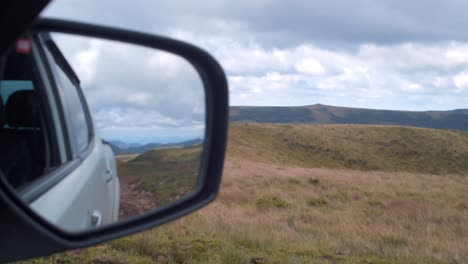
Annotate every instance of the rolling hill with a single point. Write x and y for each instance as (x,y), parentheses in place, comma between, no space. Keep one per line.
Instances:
(305,194)
(363,147)
(324,114)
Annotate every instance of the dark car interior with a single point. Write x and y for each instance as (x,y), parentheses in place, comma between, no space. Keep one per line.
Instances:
(22,157)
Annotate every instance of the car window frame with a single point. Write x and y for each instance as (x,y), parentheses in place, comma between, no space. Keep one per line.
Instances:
(55,58)
(48,134)
(72,158)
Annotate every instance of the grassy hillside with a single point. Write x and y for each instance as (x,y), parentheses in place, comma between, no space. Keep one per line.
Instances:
(270,213)
(324,114)
(364,147)
(306,194)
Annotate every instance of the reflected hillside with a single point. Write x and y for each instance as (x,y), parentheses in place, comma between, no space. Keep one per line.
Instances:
(120,147)
(157,177)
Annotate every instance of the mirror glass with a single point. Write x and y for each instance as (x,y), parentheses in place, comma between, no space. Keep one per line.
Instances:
(117,130)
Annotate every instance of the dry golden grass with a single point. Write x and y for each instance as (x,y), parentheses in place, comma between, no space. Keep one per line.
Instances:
(397,216)
(272,207)
(364,217)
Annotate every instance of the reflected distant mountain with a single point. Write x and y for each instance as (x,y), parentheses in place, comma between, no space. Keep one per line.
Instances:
(123,145)
(120,147)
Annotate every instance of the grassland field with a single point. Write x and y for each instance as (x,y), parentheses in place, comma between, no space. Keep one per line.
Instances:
(316,194)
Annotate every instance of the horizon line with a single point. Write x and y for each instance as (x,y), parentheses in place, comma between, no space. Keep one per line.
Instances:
(338,106)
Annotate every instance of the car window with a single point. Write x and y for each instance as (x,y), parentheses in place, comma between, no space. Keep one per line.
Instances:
(8,87)
(74,108)
(23,147)
(75,111)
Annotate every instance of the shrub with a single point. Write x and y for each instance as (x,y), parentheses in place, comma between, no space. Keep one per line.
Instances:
(317,202)
(375,203)
(271,202)
(394,241)
(340,195)
(461,206)
(294,181)
(314,181)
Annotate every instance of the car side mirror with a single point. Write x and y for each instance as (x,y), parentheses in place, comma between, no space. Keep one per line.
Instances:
(182,109)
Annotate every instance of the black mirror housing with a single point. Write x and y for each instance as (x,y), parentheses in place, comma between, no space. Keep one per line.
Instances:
(26,235)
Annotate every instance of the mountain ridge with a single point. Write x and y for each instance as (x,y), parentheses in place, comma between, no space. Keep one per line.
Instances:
(326,114)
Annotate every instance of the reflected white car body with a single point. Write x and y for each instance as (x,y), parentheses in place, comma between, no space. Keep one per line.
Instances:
(95,189)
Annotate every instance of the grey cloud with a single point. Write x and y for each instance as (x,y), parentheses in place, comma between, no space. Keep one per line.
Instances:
(132,76)
(329,23)
(389,54)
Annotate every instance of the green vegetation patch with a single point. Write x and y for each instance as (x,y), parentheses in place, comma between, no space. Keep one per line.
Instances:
(295,181)
(270,202)
(359,147)
(201,251)
(375,203)
(317,202)
(393,241)
(313,181)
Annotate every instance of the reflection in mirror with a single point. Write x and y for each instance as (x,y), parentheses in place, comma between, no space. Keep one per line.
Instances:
(138,148)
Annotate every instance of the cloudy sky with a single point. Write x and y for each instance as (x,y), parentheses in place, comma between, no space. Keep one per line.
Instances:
(137,94)
(408,55)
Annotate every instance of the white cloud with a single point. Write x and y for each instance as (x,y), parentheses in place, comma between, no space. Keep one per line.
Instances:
(140,99)
(461,81)
(414,87)
(413,75)
(398,76)
(310,66)
(85,62)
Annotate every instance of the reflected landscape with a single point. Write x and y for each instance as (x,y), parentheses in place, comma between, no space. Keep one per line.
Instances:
(156,177)
(147,117)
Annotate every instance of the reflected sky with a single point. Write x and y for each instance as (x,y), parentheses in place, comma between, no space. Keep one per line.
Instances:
(137,94)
